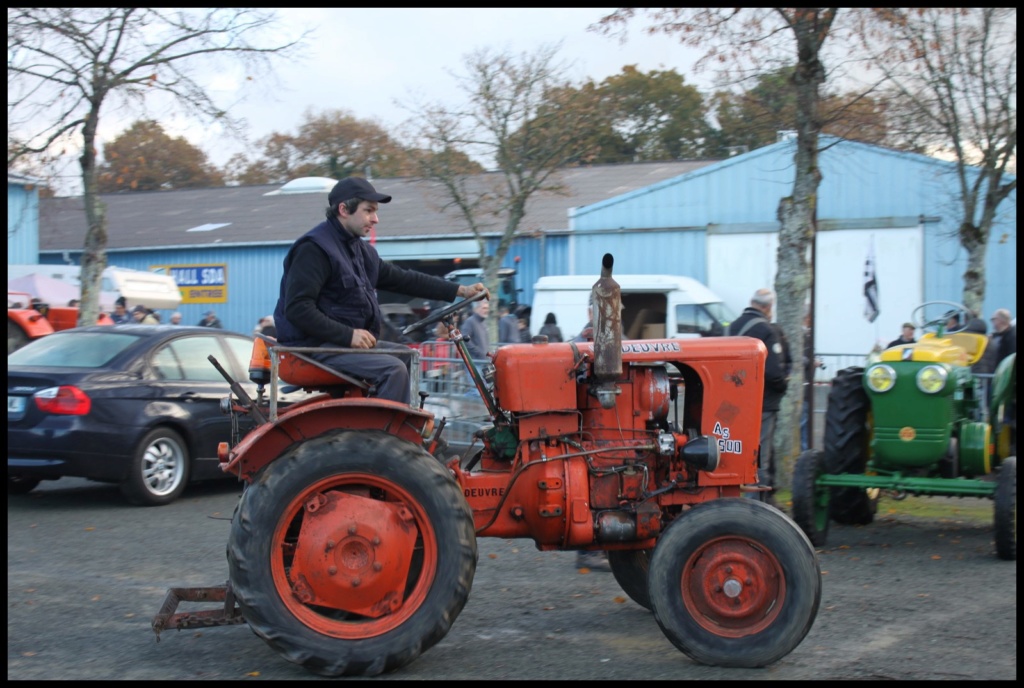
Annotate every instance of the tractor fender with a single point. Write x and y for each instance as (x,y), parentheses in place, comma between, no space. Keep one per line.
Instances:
(1003,408)
(1004,383)
(305,421)
(974,448)
(33,323)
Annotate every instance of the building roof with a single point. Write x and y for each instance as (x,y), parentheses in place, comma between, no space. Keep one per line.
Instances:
(22,180)
(262,214)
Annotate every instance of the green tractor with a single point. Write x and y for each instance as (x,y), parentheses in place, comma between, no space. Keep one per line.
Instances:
(914,422)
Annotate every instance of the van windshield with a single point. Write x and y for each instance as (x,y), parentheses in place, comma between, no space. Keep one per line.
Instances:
(720,312)
(706,319)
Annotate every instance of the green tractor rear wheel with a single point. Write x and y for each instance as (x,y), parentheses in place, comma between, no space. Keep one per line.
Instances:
(1006,510)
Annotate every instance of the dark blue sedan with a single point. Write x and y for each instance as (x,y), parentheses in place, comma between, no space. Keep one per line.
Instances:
(136,405)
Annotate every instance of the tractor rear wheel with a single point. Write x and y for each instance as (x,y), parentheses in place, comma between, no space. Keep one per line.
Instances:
(16,337)
(846,446)
(630,569)
(1006,510)
(810,502)
(352,553)
(734,583)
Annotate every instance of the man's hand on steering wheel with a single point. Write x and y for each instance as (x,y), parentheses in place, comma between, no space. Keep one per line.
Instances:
(468,290)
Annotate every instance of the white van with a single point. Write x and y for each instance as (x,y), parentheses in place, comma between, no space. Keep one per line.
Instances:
(151,289)
(653,306)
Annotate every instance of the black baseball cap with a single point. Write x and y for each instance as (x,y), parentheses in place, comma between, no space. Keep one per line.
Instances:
(355,187)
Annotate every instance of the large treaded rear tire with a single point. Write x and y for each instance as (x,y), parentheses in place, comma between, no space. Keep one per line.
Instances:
(407,509)
(1006,510)
(846,446)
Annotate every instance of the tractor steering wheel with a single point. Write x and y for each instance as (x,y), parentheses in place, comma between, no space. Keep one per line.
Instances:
(925,322)
(444,312)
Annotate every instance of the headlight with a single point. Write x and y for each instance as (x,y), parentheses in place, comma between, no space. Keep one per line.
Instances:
(881,378)
(931,379)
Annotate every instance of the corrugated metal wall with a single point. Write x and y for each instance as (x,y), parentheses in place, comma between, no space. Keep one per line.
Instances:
(254,274)
(253,279)
(668,252)
(22,224)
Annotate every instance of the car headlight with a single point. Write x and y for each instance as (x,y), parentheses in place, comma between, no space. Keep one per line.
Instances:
(931,379)
(881,378)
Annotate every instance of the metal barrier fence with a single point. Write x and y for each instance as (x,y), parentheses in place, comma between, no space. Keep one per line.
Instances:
(454,397)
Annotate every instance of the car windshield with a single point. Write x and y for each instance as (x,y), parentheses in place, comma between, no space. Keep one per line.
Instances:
(73,349)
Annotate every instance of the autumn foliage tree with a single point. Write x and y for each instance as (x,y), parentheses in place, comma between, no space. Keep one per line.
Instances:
(753,117)
(332,143)
(657,113)
(145,158)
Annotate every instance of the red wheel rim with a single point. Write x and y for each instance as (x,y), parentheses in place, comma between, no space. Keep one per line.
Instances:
(733,587)
(340,624)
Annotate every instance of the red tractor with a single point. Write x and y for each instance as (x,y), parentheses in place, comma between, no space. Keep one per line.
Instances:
(27,321)
(353,546)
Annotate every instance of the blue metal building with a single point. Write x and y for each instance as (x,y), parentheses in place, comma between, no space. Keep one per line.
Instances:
(22,219)
(718,224)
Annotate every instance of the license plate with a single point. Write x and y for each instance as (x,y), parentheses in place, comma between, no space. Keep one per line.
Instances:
(16,405)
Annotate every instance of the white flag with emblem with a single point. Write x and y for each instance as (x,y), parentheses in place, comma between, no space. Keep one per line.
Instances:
(870,284)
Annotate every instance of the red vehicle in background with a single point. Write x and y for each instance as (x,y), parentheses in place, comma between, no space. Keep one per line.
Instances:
(27,321)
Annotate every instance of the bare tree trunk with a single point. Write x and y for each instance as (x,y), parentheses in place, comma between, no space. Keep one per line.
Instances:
(975,241)
(94,255)
(797,215)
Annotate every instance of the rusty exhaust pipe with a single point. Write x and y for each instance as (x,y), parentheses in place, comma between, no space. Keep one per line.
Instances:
(607,299)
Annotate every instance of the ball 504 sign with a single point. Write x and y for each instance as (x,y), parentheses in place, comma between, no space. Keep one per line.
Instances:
(200,283)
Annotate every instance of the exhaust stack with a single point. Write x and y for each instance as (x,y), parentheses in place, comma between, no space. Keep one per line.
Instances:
(607,305)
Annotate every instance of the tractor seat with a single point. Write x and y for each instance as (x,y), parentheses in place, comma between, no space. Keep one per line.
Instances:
(972,343)
(301,371)
(957,348)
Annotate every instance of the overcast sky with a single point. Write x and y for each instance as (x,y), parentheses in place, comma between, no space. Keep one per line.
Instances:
(364,60)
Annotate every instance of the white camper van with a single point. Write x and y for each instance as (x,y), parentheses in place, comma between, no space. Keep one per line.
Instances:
(153,290)
(653,306)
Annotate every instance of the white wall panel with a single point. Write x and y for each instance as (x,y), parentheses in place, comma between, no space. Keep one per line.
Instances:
(739,264)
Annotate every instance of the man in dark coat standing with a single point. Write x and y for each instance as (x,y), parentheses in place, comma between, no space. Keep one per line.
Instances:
(474,328)
(328,291)
(755,321)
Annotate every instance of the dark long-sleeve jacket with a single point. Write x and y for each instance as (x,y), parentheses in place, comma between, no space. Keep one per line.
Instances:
(1007,344)
(329,284)
(478,341)
(775,378)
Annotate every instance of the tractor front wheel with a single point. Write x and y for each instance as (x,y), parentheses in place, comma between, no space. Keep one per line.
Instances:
(1006,510)
(734,583)
(352,553)
(810,502)
(846,446)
